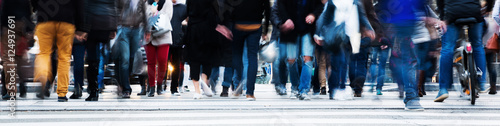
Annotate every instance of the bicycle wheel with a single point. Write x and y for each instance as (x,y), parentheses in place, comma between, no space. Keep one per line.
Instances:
(471,67)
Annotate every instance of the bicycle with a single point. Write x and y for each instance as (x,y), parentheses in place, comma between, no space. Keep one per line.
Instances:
(464,63)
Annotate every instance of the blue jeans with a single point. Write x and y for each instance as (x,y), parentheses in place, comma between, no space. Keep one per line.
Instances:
(251,38)
(357,69)
(126,44)
(104,60)
(307,49)
(448,48)
(405,61)
(78,55)
(338,63)
(377,70)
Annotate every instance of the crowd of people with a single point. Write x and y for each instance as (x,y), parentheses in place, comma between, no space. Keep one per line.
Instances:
(323,44)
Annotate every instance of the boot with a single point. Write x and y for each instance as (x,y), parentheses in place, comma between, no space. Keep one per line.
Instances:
(22,90)
(77,94)
(421,82)
(143,90)
(93,96)
(493,88)
(159,90)
(224,92)
(152,91)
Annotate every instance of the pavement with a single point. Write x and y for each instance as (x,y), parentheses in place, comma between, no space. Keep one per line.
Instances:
(268,109)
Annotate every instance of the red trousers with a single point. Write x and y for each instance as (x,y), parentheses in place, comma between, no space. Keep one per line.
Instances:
(156,55)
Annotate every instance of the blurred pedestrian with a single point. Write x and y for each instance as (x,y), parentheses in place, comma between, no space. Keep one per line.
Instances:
(177,47)
(58,28)
(134,28)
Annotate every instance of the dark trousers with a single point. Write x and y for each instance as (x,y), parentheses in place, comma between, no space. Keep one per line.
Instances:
(93,56)
(175,55)
(78,53)
(358,70)
(492,73)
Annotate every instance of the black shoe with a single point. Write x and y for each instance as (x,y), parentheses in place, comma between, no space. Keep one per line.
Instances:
(159,90)
(7,97)
(143,90)
(492,92)
(77,94)
(22,92)
(94,96)
(224,92)
(152,91)
(40,96)
(126,95)
(322,91)
(357,94)
(62,99)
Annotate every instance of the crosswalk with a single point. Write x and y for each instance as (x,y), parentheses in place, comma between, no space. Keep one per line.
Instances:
(256,117)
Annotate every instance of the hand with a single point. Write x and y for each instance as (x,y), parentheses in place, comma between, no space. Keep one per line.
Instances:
(112,35)
(224,31)
(370,34)
(147,36)
(318,41)
(310,19)
(383,47)
(264,37)
(442,25)
(81,36)
(287,26)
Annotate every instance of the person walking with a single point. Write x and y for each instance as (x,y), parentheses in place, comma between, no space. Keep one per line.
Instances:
(134,28)
(176,49)
(59,28)
(157,49)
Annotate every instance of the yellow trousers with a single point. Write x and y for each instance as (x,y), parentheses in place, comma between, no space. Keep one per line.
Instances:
(59,35)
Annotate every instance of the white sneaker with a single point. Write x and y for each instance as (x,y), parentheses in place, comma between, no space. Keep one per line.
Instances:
(206,90)
(197,96)
(176,94)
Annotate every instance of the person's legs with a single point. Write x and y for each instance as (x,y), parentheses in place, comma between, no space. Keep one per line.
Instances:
(151,54)
(45,32)
(238,46)
(174,52)
(214,77)
(65,33)
(307,67)
(282,68)
(252,42)
(476,39)
(162,54)
(78,67)
(446,61)
(93,56)
(291,60)
(123,58)
(322,69)
(384,54)
(103,61)
(357,70)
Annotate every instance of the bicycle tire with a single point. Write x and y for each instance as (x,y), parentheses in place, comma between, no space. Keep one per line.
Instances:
(471,67)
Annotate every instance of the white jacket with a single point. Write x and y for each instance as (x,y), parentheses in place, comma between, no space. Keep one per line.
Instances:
(165,15)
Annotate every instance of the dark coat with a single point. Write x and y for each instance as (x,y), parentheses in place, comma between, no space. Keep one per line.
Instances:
(102,14)
(288,9)
(179,15)
(202,41)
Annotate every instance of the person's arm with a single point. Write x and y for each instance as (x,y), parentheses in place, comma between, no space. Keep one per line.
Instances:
(496,10)
(275,19)
(282,11)
(267,15)
(325,18)
(440,5)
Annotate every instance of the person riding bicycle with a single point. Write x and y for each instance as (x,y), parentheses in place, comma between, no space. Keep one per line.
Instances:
(450,11)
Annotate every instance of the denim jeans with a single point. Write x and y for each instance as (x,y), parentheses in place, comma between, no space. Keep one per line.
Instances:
(102,63)
(126,45)
(78,66)
(448,48)
(404,62)
(251,38)
(338,63)
(377,67)
(307,49)
(214,77)
(358,70)
(422,51)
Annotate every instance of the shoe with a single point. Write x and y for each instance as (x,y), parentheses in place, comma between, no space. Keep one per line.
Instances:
(331,96)
(143,90)
(357,94)
(159,90)
(483,88)
(197,96)
(294,95)
(237,92)
(492,92)
(62,99)
(401,94)
(206,90)
(77,94)
(413,105)
(176,94)
(151,92)
(250,98)
(441,96)
(235,95)
(22,91)
(94,96)
(316,95)
(40,96)
(379,92)
(186,89)
(322,91)
(224,92)
(7,97)
(126,95)
(304,97)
